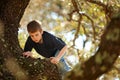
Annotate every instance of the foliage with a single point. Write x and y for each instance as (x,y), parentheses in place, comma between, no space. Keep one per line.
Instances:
(76,17)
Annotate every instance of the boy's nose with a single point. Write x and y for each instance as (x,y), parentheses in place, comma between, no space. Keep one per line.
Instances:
(35,39)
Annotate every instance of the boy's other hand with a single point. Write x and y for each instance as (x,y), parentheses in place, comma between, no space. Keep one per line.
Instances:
(54,60)
(27,54)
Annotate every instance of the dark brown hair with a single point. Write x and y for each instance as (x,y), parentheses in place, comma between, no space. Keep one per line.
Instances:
(34,26)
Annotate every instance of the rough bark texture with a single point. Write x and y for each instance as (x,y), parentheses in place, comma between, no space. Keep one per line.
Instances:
(13,66)
(105,56)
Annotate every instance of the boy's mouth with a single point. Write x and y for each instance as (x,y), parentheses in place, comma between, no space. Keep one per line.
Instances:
(36,41)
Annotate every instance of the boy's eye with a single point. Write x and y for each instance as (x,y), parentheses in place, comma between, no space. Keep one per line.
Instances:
(36,35)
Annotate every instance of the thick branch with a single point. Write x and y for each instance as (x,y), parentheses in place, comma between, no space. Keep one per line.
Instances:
(106,55)
(13,64)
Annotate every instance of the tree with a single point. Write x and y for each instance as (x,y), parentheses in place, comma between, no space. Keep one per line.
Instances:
(106,54)
(14,66)
(104,57)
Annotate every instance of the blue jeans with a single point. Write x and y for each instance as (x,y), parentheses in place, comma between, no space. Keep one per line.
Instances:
(62,65)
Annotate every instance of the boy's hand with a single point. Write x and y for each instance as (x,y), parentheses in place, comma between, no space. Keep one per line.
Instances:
(54,60)
(27,54)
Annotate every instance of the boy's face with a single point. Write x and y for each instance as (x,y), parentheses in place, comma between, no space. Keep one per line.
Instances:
(36,36)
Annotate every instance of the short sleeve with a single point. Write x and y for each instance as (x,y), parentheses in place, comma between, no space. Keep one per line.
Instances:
(58,43)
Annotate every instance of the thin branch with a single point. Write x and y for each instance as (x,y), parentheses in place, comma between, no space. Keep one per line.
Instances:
(75,5)
(76,9)
(70,14)
(93,26)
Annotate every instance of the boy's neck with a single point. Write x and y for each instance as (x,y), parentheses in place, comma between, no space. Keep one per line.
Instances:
(41,41)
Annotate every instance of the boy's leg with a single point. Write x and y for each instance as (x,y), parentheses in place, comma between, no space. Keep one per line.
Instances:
(63,65)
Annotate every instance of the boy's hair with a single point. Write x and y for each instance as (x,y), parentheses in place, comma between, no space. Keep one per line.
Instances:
(34,26)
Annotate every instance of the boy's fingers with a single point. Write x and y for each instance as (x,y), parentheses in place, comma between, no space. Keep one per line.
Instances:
(51,57)
(53,60)
(26,54)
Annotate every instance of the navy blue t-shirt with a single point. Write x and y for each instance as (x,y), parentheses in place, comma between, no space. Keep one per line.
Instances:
(49,46)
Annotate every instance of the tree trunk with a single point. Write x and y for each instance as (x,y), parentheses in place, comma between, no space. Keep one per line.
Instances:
(13,66)
(105,56)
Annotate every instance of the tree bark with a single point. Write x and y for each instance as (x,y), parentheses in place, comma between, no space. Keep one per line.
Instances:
(105,56)
(13,66)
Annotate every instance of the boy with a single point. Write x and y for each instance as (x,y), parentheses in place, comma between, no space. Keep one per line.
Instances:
(46,45)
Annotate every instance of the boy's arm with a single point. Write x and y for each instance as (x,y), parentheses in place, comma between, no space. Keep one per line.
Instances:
(62,52)
(28,45)
(27,48)
(56,59)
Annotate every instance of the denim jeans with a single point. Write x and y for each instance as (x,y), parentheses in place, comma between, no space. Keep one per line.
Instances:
(63,65)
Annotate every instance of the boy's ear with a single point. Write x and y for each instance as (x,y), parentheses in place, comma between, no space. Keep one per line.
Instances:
(41,31)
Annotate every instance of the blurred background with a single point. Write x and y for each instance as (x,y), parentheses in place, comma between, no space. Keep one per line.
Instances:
(81,34)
